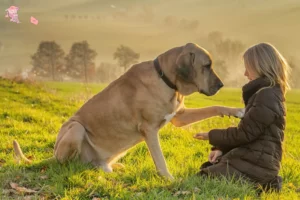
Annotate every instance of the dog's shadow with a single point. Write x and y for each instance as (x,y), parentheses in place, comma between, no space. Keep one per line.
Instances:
(54,180)
(74,179)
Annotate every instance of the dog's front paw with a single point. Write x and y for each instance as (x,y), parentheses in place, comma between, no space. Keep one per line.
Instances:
(235,112)
(168,177)
(239,113)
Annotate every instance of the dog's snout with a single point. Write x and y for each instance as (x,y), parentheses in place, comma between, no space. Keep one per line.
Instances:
(220,85)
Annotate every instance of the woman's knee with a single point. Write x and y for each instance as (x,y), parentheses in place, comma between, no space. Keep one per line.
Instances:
(202,173)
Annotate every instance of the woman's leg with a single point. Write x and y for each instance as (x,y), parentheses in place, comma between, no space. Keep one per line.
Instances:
(206,164)
(221,169)
(273,185)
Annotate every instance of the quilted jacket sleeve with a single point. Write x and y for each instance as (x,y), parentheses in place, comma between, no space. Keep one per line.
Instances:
(260,115)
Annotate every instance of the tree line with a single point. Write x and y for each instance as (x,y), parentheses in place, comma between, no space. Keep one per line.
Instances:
(227,59)
(51,61)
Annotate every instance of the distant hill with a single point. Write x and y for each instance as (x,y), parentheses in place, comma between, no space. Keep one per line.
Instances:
(148,26)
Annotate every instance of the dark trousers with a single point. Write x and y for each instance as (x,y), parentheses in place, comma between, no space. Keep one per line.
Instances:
(273,185)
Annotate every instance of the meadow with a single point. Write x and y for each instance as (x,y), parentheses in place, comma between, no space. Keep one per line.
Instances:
(33,114)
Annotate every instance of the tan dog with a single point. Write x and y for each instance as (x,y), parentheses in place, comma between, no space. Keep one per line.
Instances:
(134,107)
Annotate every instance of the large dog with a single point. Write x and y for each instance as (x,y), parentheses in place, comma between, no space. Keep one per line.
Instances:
(135,106)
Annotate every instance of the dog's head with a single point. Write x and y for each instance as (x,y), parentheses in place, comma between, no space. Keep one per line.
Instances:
(195,73)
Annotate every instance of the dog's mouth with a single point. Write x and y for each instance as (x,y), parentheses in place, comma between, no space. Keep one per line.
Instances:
(201,91)
(212,91)
(204,92)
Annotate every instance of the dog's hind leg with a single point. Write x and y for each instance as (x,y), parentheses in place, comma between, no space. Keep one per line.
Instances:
(114,164)
(69,144)
(106,167)
(109,166)
(117,166)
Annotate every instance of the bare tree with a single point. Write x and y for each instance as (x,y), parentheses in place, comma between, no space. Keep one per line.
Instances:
(226,48)
(125,56)
(80,61)
(230,49)
(226,53)
(48,60)
(215,37)
(221,68)
(107,72)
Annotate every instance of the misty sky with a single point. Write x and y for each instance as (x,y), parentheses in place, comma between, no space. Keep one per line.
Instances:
(106,24)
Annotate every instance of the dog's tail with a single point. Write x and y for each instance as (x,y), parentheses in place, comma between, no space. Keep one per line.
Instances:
(19,153)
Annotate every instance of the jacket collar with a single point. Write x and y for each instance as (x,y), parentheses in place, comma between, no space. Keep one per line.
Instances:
(253,86)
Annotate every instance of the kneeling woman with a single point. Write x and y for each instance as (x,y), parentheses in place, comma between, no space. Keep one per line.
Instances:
(253,149)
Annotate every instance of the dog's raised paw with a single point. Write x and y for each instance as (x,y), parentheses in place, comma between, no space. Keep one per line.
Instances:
(240,114)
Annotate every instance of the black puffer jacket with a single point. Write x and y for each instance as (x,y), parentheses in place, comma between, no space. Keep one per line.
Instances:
(254,148)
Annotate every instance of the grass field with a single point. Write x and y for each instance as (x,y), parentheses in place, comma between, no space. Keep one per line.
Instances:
(33,114)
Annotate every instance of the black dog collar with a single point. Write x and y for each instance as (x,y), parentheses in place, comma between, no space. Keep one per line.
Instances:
(163,76)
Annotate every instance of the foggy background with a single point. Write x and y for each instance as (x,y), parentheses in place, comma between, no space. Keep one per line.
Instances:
(150,27)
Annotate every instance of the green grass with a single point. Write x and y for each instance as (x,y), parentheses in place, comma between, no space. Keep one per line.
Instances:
(33,114)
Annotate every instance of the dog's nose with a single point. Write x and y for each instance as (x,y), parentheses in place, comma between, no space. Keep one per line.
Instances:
(220,85)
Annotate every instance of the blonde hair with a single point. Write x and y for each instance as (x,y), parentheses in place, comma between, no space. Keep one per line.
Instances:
(266,60)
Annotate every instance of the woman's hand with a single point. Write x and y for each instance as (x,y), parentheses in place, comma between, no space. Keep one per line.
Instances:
(201,136)
(214,155)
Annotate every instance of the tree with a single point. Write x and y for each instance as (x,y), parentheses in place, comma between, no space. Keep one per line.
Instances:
(107,72)
(221,68)
(227,56)
(126,56)
(80,61)
(226,48)
(215,37)
(48,60)
(230,49)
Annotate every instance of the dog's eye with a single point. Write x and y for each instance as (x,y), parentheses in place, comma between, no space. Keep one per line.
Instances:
(208,66)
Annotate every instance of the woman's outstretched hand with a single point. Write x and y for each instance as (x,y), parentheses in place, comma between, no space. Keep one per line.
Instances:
(201,136)
(214,155)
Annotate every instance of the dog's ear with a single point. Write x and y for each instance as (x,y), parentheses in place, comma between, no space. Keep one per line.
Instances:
(185,66)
